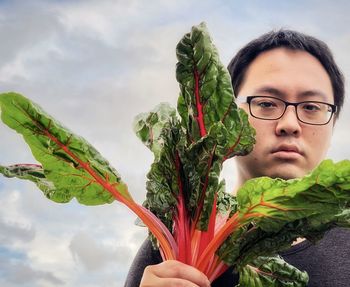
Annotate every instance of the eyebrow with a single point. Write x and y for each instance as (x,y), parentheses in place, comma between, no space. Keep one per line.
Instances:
(278,93)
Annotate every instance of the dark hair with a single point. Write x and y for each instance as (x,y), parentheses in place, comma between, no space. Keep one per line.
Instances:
(291,40)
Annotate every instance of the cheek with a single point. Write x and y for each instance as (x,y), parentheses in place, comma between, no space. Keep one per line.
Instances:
(319,141)
(263,129)
(264,135)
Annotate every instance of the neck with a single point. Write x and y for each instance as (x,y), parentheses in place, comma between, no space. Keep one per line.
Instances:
(241,179)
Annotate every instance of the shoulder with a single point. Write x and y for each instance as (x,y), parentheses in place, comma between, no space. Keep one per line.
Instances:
(327,261)
(145,256)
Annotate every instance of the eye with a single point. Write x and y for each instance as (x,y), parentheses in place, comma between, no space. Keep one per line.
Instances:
(311,107)
(266,104)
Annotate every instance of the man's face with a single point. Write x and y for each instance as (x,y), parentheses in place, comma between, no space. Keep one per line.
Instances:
(286,148)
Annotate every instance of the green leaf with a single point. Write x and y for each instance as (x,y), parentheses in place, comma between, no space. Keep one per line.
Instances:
(32,172)
(149,126)
(160,131)
(236,137)
(206,95)
(202,167)
(70,163)
(325,190)
(274,212)
(216,129)
(271,272)
(226,202)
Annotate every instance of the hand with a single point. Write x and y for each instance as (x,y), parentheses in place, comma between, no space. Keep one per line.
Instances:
(173,273)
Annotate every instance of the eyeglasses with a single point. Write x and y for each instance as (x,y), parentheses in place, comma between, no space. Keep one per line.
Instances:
(308,112)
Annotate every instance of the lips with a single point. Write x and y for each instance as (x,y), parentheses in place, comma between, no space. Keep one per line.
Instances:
(286,151)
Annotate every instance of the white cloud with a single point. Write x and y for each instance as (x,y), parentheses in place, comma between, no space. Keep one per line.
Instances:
(11,232)
(97,19)
(56,244)
(21,274)
(96,256)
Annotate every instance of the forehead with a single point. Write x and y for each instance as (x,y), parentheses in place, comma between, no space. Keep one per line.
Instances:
(293,74)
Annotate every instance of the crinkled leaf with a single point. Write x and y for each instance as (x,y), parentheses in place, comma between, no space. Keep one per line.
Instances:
(236,137)
(206,102)
(206,95)
(274,212)
(70,163)
(215,128)
(148,126)
(31,172)
(226,202)
(202,167)
(277,201)
(271,272)
(160,131)
(206,91)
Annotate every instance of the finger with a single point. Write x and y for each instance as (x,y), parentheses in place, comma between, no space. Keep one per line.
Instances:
(149,279)
(176,282)
(176,269)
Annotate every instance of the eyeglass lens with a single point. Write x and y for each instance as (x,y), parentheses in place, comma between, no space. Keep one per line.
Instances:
(272,108)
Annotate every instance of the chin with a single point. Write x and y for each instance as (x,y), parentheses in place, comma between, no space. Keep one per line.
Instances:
(286,169)
(287,173)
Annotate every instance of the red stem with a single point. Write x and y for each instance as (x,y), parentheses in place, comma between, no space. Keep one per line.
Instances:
(200,116)
(220,268)
(207,236)
(182,234)
(218,239)
(199,209)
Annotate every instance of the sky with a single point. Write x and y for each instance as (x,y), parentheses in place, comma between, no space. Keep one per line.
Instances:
(95,65)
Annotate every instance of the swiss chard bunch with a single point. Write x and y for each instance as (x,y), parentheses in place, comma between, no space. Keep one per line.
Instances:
(189,215)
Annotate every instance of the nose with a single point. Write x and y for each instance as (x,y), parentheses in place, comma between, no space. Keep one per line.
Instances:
(288,124)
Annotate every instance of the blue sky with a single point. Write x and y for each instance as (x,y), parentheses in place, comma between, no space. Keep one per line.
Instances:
(94,65)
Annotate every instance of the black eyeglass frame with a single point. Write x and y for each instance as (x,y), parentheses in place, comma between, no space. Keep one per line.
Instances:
(286,104)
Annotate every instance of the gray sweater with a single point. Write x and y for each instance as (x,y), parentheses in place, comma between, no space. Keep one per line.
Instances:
(327,262)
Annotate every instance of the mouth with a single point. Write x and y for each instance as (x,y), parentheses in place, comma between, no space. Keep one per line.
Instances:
(287,152)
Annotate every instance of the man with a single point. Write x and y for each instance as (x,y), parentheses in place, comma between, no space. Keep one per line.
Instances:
(293,92)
